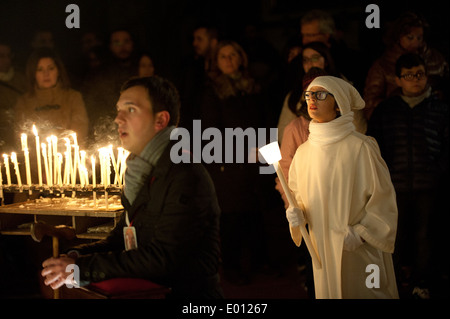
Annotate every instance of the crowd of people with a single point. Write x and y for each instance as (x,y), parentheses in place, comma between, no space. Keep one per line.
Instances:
(405,109)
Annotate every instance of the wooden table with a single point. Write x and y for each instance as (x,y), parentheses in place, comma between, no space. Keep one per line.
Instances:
(16,219)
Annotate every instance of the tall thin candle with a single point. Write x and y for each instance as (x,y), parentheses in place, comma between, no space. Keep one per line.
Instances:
(8,172)
(38,155)
(16,168)
(50,161)
(44,155)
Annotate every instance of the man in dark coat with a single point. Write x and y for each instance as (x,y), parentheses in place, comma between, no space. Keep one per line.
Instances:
(171,208)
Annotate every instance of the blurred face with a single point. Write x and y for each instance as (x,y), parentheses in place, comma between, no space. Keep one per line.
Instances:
(321,110)
(228,60)
(46,73)
(412,81)
(412,41)
(121,44)
(201,42)
(43,39)
(5,58)
(312,58)
(146,67)
(135,119)
(311,32)
(293,52)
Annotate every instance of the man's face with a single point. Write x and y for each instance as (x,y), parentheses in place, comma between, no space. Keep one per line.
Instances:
(135,119)
(201,42)
(5,58)
(121,45)
(311,33)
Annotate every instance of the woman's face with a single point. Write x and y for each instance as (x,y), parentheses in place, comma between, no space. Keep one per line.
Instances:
(228,60)
(412,41)
(321,110)
(146,67)
(46,73)
(312,58)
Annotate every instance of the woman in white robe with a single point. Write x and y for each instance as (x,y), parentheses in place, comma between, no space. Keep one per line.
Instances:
(346,197)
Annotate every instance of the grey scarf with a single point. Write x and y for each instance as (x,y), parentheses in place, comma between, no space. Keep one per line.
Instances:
(140,166)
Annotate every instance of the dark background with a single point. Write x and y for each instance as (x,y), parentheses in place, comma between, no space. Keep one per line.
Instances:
(165,27)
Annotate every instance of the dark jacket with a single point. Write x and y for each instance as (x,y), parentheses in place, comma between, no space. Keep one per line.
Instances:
(414,142)
(176,216)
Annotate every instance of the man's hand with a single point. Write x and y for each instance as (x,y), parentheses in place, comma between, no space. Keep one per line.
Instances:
(55,271)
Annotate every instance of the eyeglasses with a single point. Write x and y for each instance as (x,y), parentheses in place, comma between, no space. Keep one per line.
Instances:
(312,59)
(319,95)
(411,77)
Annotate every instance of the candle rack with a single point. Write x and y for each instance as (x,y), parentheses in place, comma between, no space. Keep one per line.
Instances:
(14,188)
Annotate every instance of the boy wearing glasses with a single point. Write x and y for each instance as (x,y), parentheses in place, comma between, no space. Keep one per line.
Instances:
(411,129)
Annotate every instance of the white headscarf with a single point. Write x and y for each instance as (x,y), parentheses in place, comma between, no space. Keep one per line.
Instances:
(346,96)
(347,99)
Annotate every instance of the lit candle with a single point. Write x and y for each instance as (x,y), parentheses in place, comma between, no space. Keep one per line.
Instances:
(50,161)
(38,155)
(123,166)
(59,166)
(8,172)
(27,157)
(81,167)
(54,140)
(44,155)
(1,186)
(16,168)
(94,182)
(119,162)
(68,166)
(76,161)
(75,140)
(113,159)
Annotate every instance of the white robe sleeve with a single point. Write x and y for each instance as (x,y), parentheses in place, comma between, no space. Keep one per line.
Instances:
(378,226)
(296,234)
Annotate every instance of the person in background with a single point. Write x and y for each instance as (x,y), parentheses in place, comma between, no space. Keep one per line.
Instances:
(101,90)
(318,55)
(412,128)
(231,100)
(49,102)
(345,195)
(171,208)
(146,66)
(319,26)
(407,34)
(193,76)
(12,86)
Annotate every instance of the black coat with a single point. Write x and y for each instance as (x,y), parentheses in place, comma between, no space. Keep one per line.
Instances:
(414,142)
(176,216)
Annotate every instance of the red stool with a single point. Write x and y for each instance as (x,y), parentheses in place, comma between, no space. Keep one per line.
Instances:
(117,288)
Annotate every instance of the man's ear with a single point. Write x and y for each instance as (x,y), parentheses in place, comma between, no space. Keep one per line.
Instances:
(397,81)
(161,120)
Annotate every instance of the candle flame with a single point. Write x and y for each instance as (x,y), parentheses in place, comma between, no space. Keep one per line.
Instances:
(35,130)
